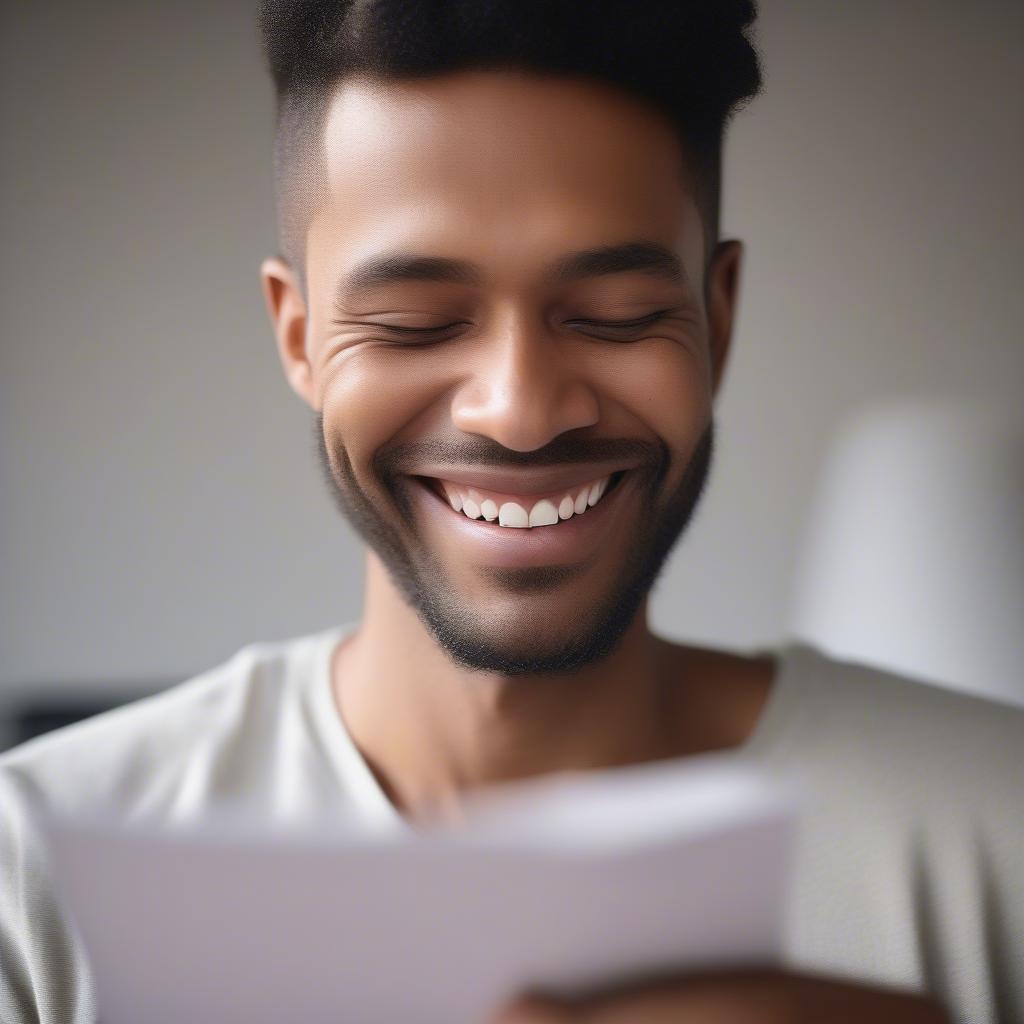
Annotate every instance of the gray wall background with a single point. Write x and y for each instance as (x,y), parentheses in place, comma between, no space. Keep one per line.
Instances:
(160,504)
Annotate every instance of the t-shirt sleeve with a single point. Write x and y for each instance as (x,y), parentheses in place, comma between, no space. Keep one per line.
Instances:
(44,977)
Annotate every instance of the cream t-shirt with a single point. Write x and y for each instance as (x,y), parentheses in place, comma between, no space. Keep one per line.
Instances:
(910,856)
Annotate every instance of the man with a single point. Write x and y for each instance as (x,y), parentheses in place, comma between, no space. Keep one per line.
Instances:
(503,296)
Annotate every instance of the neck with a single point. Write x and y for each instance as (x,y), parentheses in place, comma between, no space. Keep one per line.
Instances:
(432,730)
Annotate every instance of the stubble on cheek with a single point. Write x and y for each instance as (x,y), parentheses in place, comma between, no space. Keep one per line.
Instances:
(373,525)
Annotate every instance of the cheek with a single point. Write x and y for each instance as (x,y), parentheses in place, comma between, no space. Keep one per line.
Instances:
(665,389)
(376,397)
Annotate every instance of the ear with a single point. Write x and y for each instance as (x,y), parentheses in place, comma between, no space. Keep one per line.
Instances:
(287,309)
(722,297)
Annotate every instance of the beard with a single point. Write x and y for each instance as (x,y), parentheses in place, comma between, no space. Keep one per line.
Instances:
(456,625)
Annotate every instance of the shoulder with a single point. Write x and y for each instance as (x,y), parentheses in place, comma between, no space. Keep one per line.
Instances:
(909,866)
(139,757)
(879,739)
(163,756)
(879,711)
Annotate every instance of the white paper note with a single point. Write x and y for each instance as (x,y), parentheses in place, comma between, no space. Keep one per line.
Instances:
(572,882)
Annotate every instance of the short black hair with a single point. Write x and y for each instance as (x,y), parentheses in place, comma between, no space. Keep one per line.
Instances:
(692,59)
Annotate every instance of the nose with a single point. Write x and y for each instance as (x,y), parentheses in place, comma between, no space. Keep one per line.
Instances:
(523,389)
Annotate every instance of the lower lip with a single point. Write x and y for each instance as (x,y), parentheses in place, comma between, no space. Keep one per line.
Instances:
(566,542)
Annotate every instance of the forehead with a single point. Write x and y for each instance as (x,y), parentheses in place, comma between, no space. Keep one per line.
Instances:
(502,168)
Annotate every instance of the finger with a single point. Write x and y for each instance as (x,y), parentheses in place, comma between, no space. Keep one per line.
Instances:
(536,1009)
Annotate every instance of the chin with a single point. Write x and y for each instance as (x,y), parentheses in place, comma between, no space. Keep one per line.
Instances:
(525,636)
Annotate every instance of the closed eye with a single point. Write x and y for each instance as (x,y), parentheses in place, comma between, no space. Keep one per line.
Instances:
(415,330)
(645,321)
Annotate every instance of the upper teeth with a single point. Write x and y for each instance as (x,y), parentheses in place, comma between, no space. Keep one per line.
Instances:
(545,512)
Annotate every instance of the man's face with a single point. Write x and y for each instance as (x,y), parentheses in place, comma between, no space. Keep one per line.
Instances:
(506,320)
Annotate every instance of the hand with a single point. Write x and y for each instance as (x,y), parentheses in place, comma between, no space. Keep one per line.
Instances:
(749,997)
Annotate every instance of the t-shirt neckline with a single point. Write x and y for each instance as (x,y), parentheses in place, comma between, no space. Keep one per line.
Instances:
(769,737)
(351,769)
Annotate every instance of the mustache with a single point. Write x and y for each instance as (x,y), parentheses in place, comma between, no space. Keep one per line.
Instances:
(404,458)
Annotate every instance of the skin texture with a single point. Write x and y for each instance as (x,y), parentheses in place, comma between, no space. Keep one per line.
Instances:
(463,674)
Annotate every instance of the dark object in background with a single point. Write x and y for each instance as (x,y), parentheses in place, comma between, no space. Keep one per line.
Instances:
(34,721)
(30,714)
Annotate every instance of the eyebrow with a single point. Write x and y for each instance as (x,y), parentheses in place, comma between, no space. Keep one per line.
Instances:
(647,257)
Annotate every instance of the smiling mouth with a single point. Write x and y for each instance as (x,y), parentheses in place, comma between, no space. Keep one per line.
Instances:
(492,509)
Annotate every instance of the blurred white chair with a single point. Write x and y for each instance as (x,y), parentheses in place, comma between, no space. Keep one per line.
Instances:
(913,558)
